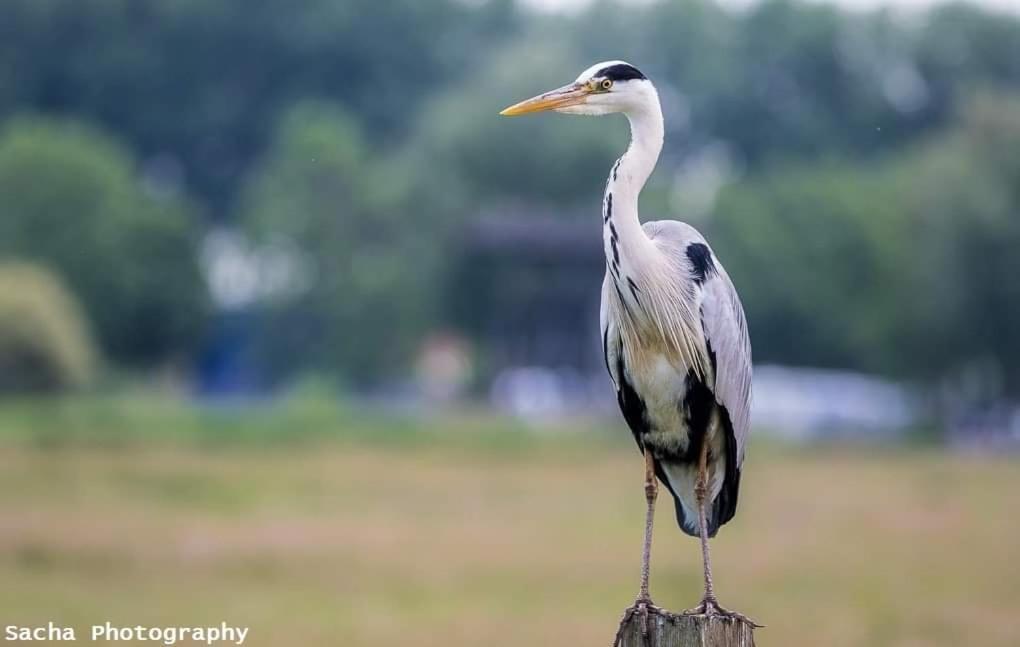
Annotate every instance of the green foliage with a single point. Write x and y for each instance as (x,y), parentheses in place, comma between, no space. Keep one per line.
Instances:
(963,46)
(206,81)
(310,416)
(904,268)
(875,219)
(963,205)
(44,340)
(821,248)
(366,267)
(71,201)
(464,146)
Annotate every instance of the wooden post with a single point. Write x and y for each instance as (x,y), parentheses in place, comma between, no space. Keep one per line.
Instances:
(667,629)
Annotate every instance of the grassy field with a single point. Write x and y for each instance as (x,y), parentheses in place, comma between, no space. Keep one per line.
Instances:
(439,539)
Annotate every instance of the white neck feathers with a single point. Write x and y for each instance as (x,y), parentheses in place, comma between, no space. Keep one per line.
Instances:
(653,305)
(626,245)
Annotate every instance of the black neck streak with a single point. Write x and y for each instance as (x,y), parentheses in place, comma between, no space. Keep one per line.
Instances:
(613,260)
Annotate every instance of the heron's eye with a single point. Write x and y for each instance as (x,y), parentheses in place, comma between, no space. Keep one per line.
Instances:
(607,83)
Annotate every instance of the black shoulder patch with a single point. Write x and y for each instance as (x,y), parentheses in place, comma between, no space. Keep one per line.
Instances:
(701,259)
(620,72)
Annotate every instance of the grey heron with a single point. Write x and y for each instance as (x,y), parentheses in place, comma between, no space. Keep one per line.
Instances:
(673,329)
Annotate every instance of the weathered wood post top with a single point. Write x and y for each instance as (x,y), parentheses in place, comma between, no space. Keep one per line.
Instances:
(667,629)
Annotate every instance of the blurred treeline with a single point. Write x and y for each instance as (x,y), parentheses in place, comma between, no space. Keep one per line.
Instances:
(285,185)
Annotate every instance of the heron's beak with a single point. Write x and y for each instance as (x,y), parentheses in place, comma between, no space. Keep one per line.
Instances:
(568,95)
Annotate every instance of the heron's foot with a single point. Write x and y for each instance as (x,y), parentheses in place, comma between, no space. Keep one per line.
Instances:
(644,609)
(710,607)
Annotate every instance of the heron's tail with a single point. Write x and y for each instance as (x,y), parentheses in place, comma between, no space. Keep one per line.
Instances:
(720,509)
(687,518)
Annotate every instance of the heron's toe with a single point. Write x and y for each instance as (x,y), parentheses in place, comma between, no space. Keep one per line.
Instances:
(712,608)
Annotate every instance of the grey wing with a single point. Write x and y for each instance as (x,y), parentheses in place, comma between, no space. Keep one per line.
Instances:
(722,319)
(722,316)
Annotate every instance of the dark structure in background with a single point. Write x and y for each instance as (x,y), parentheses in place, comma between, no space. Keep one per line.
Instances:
(536,281)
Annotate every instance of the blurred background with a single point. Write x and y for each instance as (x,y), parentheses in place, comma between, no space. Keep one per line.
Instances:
(297,334)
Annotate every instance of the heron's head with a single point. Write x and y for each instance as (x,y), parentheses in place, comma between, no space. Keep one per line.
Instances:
(602,89)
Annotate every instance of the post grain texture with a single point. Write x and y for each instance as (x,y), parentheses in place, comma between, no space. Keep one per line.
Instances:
(667,629)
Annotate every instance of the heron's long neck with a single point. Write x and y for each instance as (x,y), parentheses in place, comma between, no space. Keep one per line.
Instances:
(626,245)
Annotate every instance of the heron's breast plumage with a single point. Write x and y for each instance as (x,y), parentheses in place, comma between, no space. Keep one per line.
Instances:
(662,386)
(671,410)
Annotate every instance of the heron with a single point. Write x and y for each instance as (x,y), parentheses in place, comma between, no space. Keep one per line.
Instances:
(673,329)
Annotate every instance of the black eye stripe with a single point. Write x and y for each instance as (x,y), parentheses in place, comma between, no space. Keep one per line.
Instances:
(620,72)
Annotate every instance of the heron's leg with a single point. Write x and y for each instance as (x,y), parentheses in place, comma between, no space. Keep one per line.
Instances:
(709,603)
(651,492)
(701,492)
(643,604)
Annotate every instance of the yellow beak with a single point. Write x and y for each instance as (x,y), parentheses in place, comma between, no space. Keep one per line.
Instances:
(568,95)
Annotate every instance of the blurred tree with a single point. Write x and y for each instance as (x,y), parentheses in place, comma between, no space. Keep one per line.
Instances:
(962,46)
(784,80)
(816,254)
(71,201)
(904,268)
(463,146)
(205,82)
(404,148)
(964,208)
(44,340)
(366,276)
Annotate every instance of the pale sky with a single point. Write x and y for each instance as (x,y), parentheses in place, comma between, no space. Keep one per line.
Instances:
(1010,5)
